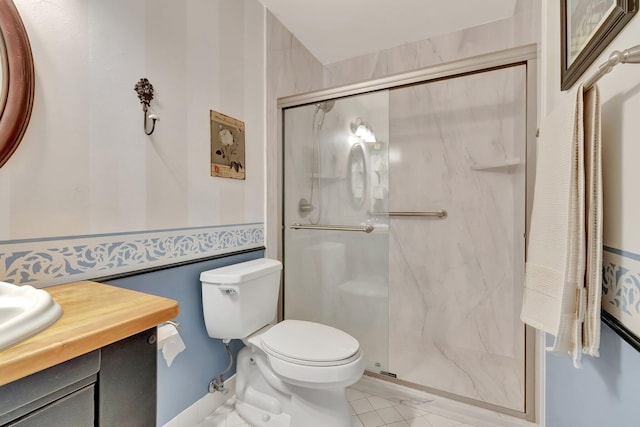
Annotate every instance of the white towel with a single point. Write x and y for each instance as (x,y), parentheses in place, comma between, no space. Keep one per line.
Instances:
(555,298)
(593,199)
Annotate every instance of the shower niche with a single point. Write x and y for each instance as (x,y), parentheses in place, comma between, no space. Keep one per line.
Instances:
(409,246)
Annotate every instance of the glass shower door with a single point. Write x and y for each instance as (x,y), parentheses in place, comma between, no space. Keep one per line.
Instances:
(336,175)
(432,298)
(456,282)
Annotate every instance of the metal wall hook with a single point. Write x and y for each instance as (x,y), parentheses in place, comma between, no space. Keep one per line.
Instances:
(144,89)
(154,118)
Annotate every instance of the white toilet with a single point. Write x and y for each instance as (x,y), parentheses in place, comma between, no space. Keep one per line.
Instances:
(290,374)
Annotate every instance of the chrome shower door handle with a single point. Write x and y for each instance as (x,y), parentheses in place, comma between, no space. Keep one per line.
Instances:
(442,214)
(365,228)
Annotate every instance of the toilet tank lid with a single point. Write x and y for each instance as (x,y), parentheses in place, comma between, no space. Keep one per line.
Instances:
(241,272)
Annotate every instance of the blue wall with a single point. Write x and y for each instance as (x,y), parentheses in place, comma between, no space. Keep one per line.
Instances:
(604,393)
(187,380)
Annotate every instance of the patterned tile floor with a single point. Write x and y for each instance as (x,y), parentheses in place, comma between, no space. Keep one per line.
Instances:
(367,411)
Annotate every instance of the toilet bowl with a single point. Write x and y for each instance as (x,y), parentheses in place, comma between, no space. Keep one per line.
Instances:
(290,374)
(311,354)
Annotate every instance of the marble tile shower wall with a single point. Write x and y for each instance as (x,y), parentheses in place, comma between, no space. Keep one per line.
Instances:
(454,283)
(521,29)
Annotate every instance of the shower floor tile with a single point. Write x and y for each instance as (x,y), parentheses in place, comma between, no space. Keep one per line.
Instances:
(367,411)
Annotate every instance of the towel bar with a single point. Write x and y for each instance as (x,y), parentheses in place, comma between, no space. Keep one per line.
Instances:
(627,56)
(440,214)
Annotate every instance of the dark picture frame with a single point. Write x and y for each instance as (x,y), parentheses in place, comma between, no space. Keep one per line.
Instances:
(620,287)
(586,29)
(17,84)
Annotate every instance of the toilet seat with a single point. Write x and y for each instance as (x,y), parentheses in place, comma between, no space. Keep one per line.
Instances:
(310,344)
(292,338)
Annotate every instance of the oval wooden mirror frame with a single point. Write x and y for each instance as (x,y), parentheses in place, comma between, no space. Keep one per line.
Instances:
(15,116)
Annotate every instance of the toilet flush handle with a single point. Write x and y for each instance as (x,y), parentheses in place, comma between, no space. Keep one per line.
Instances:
(228,291)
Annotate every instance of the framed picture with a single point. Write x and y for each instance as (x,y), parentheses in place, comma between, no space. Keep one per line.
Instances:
(227,146)
(621,292)
(586,28)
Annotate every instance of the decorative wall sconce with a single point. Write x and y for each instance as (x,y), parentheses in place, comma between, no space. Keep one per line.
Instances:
(145,94)
(362,130)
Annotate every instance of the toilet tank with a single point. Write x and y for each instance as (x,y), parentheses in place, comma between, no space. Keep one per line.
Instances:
(239,299)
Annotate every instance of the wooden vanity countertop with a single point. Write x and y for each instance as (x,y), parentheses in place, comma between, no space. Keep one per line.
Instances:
(93,315)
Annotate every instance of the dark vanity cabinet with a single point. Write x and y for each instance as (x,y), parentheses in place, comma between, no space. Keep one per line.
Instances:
(127,380)
(112,386)
(61,395)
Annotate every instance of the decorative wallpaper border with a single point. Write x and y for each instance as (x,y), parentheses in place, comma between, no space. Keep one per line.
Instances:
(49,262)
(621,287)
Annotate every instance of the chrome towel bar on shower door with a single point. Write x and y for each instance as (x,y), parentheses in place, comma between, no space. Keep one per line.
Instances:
(440,214)
(366,228)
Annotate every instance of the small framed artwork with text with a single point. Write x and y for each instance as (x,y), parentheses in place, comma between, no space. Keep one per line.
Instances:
(227,146)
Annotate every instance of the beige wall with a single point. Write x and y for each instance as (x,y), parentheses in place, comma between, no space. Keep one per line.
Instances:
(88,194)
(611,379)
(85,165)
(620,100)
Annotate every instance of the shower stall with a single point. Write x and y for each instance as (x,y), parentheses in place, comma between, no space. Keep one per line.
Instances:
(404,223)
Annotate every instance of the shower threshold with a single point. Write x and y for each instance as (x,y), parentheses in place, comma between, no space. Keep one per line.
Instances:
(471,412)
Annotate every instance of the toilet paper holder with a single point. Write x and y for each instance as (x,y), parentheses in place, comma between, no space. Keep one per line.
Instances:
(169,341)
(172,323)
(153,339)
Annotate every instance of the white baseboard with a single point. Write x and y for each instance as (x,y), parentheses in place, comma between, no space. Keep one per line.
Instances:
(196,413)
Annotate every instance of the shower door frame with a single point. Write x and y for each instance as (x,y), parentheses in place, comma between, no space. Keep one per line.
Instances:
(524,55)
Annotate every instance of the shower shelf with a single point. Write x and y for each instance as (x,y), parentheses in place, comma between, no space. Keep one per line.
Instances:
(506,163)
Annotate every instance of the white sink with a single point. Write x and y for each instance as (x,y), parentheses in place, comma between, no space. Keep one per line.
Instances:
(24,311)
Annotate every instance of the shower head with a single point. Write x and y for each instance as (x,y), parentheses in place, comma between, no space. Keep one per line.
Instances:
(325,106)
